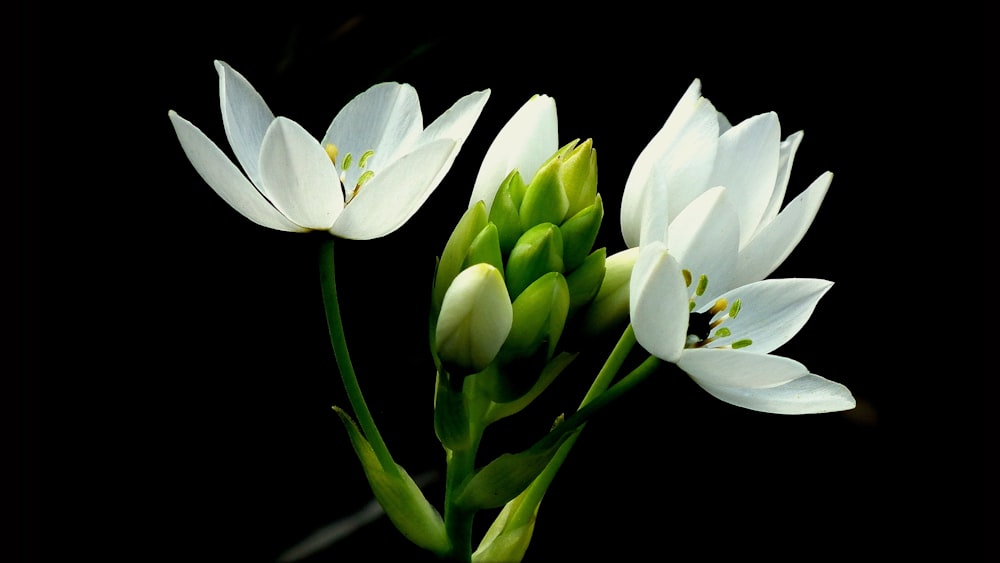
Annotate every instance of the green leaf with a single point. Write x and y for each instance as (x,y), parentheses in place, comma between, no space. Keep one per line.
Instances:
(399,495)
(507,476)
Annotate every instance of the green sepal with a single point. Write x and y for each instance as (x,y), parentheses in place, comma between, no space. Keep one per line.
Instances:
(451,416)
(537,252)
(485,248)
(507,476)
(585,281)
(457,248)
(399,495)
(579,233)
(505,211)
(545,198)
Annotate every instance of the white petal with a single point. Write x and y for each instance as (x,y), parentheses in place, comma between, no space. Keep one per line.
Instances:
(527,140)
(771,311)
(810,394)
(766,251)
(737,368)
(393,195)
(456,123)
(704,238)
(385,119)
(226,179)
(747,164)
(677,162)
(786,156)
(658,302)
(245,116)
(298,177)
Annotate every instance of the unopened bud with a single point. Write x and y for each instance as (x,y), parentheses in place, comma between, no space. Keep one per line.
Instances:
(537,252)
(475,319)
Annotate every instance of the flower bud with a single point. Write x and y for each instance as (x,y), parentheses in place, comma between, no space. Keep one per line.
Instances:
(610,307)
(585,281)
(545,199)
(485,248)
(475,319)
(537,252)
(539,317)
(457,248)
(579,233)
(579,176)
(504,211)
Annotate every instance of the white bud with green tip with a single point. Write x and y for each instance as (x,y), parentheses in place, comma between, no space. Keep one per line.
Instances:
(538,252)
(475,319)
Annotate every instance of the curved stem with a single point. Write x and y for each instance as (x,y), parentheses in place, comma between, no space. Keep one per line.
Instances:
(331,305)
(534,493)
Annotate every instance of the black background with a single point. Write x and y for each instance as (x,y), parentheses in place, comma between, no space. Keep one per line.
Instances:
(178,378)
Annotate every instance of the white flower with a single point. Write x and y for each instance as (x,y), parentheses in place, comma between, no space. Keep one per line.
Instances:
(697,150)
(724,340)
(525,142)
(374,168)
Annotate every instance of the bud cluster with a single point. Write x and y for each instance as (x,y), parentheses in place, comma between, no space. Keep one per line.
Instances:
(513,274)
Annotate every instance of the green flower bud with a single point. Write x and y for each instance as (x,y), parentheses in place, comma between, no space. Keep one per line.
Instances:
(579,176)
(475,319)
(539,315)
(504,212)
(485,248)
(585,281)
(579,233)
(457,248)
(545,198)
(610,308)
(537,252)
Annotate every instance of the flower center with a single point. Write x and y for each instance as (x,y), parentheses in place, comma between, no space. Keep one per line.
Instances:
(345,165)
(707,326)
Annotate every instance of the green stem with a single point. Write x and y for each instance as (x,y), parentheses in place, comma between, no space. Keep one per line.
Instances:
(331,305)
(534,493)
(461,467)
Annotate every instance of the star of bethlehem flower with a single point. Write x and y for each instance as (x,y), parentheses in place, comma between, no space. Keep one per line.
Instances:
(373,169)
(702,213)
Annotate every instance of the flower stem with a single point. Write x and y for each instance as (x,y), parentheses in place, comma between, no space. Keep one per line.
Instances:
(534,493)
(331,305)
